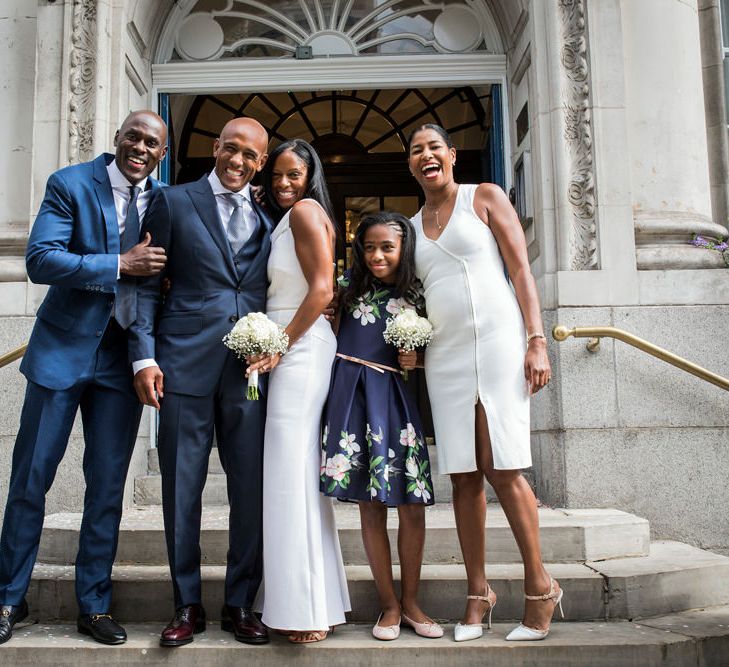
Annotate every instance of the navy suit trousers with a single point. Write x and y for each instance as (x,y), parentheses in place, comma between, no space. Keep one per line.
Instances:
(186,428)
(110,413)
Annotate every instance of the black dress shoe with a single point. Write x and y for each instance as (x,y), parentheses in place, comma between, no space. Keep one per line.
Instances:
(9,616)
(102,627)
(244,624)
(188,621)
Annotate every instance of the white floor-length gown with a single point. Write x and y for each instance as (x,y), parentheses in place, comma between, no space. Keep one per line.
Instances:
(304,583)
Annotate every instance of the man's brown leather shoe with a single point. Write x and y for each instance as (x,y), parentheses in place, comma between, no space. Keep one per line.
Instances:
(244,624)
(188,621)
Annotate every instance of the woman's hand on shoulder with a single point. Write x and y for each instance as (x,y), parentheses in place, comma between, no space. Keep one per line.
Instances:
(537,369)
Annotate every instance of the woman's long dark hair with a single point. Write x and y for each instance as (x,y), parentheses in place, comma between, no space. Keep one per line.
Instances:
(362,281)
(316,187)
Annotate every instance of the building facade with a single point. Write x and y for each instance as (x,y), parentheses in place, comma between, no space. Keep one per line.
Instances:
(604,119)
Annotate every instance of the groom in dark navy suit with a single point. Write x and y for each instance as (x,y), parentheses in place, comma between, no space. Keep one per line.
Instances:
(85,245)
(218,242)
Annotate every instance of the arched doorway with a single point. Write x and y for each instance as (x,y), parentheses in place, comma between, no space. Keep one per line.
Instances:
(361,136)
(353,77)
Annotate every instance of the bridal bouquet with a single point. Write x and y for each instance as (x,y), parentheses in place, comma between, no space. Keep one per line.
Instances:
(407,331)
(256,334)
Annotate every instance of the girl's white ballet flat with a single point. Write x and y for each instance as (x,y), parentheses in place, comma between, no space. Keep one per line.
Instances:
(385,633)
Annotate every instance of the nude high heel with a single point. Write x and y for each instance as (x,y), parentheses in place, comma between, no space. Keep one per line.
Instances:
(464,632)
(523,633)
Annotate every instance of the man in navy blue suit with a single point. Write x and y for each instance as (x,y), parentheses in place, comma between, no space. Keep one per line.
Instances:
(218,242)
(85,245)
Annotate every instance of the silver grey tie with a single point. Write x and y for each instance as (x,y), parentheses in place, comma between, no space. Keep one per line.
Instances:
(238,231)
(125,308)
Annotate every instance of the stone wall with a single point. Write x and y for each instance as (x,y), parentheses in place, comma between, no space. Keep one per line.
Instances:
(618,428)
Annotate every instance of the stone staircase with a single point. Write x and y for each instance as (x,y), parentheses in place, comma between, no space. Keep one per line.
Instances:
(628,601)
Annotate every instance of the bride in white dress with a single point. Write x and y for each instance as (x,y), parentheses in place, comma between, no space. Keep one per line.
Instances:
(304,584)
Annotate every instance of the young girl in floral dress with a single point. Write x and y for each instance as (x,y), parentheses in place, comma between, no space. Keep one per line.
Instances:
(374,452)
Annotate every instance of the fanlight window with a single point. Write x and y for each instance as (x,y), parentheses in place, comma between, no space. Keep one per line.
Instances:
(215,29)
(351,121)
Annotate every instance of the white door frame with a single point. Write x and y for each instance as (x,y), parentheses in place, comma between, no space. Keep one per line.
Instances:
(338,73)
(334,73)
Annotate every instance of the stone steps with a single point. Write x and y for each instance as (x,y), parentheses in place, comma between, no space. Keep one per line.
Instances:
(688,639)
(672,578)
(148,490)
(567,536)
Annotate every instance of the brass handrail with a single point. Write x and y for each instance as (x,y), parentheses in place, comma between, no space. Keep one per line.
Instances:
(10,357)
(561,332)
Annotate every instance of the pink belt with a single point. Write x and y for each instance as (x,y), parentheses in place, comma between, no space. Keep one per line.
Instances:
(380,368)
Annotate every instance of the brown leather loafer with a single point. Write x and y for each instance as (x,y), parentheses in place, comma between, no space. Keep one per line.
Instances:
(244,624)
(188,621)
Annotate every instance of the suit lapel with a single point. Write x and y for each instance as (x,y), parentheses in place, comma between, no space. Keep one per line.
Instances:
(203,199)
(104,194)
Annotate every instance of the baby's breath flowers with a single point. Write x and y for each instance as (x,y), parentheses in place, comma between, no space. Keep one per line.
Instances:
(252,335)
(408,331)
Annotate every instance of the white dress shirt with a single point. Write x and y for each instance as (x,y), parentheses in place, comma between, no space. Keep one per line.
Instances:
(225,205)
(120,188)
(225,210)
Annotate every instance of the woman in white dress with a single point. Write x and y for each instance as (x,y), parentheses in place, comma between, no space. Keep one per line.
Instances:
(487,356)
(304,584)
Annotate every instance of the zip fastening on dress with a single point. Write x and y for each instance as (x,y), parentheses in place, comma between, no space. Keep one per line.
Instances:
(464,266)
(380,368)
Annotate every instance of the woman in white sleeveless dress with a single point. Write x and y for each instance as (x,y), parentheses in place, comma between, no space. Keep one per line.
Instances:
(304,584)
(487,356)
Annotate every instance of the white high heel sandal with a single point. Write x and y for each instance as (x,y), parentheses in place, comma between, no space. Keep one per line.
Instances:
(464,632)
(522,633)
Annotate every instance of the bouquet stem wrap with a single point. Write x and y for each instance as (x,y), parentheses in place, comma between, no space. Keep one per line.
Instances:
(254,335)
(252,393)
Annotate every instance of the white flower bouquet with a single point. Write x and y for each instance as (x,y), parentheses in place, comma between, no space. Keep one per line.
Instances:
(252,335)
(408,331)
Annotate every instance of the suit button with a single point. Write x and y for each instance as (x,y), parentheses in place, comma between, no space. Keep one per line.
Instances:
(239,290)
(98,333)
(233,319)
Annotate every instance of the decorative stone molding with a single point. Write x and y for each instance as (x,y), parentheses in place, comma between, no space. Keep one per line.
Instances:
(82,81)
(578,135)
(238,28)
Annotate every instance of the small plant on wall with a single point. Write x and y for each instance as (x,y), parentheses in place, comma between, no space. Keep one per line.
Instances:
(717,244)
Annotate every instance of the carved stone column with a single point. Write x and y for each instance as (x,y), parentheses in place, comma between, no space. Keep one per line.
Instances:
(82,80)
(667,135)
(577,128)
(570,127)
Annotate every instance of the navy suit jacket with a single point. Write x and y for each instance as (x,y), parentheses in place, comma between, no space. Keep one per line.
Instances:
(74,248)
(184,331)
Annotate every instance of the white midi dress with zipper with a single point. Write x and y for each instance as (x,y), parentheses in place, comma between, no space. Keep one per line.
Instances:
(479,342)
